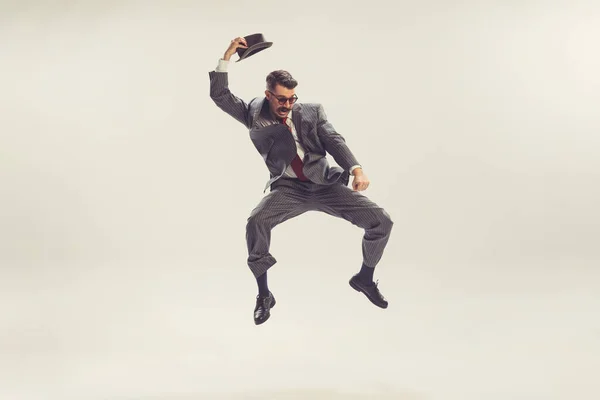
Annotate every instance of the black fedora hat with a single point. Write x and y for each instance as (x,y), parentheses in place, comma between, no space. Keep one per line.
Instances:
(256,42)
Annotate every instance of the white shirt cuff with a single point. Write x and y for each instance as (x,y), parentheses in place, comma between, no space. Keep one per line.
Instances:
(353,168)
(222,65)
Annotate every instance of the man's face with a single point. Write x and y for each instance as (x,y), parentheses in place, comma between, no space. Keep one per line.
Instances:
(281,100)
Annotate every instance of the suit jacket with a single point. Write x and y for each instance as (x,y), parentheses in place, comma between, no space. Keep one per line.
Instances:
(275,142)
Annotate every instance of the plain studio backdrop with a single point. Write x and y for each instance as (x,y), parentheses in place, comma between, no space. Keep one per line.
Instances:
(124,193)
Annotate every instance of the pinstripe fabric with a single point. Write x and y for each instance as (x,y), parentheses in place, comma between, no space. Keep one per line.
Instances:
(227,101)
(327,190)
(276,144)
(291,197)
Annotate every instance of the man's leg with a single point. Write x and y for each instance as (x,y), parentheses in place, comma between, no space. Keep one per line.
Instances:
(341,201)
(281,204)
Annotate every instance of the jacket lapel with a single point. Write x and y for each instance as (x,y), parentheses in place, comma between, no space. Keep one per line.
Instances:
(297,120)
(258,121)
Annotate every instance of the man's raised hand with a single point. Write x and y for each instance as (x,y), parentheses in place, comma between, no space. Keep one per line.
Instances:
(238,42)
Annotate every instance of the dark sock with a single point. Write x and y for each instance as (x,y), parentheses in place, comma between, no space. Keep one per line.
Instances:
(263,288)
(366,273)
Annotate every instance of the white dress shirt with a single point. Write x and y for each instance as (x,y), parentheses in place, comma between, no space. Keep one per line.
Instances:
(289,172)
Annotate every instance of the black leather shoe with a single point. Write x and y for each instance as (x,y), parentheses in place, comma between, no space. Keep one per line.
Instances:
(262,311)
(370,290)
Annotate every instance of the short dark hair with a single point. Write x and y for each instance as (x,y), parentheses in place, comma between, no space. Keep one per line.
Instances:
(281,77)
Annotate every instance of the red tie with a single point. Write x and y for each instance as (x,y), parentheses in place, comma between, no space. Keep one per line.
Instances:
(296,162)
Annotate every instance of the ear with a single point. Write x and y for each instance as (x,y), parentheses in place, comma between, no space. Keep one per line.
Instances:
(267,93)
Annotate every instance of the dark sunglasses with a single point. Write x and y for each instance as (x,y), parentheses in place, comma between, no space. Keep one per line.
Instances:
(282,99)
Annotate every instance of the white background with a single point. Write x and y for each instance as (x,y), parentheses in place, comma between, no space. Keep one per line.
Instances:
(124,193)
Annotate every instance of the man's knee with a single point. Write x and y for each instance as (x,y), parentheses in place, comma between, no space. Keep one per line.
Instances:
(259,220)
(385,220)
(253,221)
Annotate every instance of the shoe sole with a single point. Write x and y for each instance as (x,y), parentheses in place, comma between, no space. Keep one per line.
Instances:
(358,289)
(268,316)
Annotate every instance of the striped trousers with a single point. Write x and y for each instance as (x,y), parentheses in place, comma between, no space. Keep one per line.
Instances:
(289,198)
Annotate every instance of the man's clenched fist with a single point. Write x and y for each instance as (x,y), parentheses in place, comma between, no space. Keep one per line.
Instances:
(360,181)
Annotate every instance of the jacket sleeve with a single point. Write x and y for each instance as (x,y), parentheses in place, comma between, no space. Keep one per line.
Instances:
(227,101)
(334,143)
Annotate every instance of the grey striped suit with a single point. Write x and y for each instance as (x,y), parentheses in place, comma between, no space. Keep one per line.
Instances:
(327,190)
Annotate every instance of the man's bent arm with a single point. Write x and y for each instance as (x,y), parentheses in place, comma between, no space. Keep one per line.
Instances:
(335,144)
(222,96)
